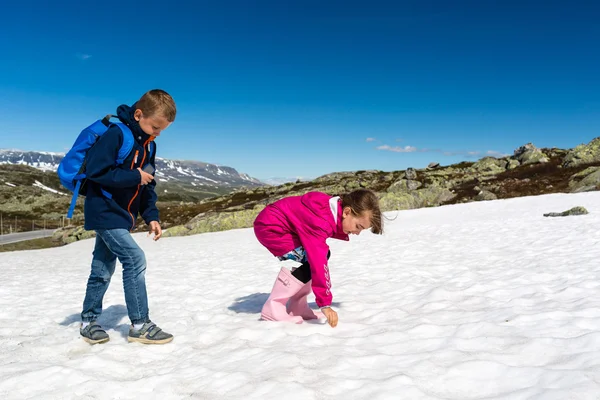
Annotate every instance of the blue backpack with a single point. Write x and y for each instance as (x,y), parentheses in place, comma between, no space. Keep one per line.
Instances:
(71,170)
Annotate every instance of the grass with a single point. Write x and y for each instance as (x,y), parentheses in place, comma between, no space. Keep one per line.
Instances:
(34,244)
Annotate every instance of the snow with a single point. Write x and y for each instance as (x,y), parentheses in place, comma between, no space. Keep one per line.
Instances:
(203,177)
(39,165)
(12,151)
(42,186)
(10,184)
(182,171)
(486,300)
(191,173)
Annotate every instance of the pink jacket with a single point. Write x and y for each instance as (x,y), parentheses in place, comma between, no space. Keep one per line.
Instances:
(305,221)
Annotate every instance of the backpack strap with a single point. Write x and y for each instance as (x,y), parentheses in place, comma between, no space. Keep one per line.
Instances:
(74,199)
(127,142)
(106,119)
(127,138)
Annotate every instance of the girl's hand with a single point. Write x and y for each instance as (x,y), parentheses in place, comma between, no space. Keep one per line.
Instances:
(332,317)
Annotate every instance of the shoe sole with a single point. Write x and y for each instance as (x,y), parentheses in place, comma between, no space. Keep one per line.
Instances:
(148,341)
(99,341)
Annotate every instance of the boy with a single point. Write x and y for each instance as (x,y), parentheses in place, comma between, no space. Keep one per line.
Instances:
(115,195)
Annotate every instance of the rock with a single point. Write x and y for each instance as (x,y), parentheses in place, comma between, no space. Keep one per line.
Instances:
(529,147)
(529,154)
(573,211)
(424,197)
(585,181)
(583,154)
(404,185)
(446,177)
(179,230)
(413,185)
(353,185)
(485,195)
(534,158)
(512,164)
(490,166)
(433,165)
(411,174)
(400,186)
(217,221)
(72,234)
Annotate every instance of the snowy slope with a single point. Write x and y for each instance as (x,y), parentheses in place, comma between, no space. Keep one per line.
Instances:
(486,300)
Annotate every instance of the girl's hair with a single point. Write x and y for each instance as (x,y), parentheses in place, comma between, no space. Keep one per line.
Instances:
(361,201)
(157,102)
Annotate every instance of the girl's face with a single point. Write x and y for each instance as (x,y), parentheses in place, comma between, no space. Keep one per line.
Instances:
(351,224)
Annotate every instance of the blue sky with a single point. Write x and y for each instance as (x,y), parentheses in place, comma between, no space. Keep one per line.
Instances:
(304,88)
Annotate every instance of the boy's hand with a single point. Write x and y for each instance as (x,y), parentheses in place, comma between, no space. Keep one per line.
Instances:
(146,178)
(332,317)
(156,229)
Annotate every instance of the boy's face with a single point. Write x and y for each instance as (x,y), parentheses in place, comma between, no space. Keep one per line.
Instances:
(153,125)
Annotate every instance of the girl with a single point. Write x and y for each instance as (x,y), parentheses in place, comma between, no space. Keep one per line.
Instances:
(296,228)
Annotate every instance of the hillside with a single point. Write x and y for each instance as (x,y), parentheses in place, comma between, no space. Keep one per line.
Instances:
(529,171)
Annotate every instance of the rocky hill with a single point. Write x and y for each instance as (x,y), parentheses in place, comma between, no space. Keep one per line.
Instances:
(529,171)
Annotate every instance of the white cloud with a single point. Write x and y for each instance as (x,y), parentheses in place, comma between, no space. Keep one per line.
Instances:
(494,153)
(371,139)
(398,149)
(83,56)
(449,153)
(464,153)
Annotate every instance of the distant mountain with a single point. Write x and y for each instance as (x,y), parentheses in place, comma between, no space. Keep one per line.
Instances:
(201,174)
(38,159)
(193,178)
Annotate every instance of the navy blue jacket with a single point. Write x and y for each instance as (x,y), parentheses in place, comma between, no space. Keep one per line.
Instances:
(114,195)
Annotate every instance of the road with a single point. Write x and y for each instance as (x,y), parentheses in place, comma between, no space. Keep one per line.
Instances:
(21,236)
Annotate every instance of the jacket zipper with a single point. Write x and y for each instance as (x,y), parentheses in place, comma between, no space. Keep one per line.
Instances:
(138,187)
(135,157)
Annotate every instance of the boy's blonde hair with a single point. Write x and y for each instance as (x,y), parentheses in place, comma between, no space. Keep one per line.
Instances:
(155,102)
(361,201)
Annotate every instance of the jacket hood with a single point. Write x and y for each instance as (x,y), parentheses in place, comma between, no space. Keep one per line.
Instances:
(125,114)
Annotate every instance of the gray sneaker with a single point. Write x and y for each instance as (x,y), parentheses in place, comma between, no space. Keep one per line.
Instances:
(149,333)
(93,333)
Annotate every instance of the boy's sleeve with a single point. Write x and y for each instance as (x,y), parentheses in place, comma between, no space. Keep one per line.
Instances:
(100,162)
(148,209)
(316,252)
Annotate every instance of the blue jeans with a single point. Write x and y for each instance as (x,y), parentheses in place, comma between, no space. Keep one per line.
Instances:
(110,245)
